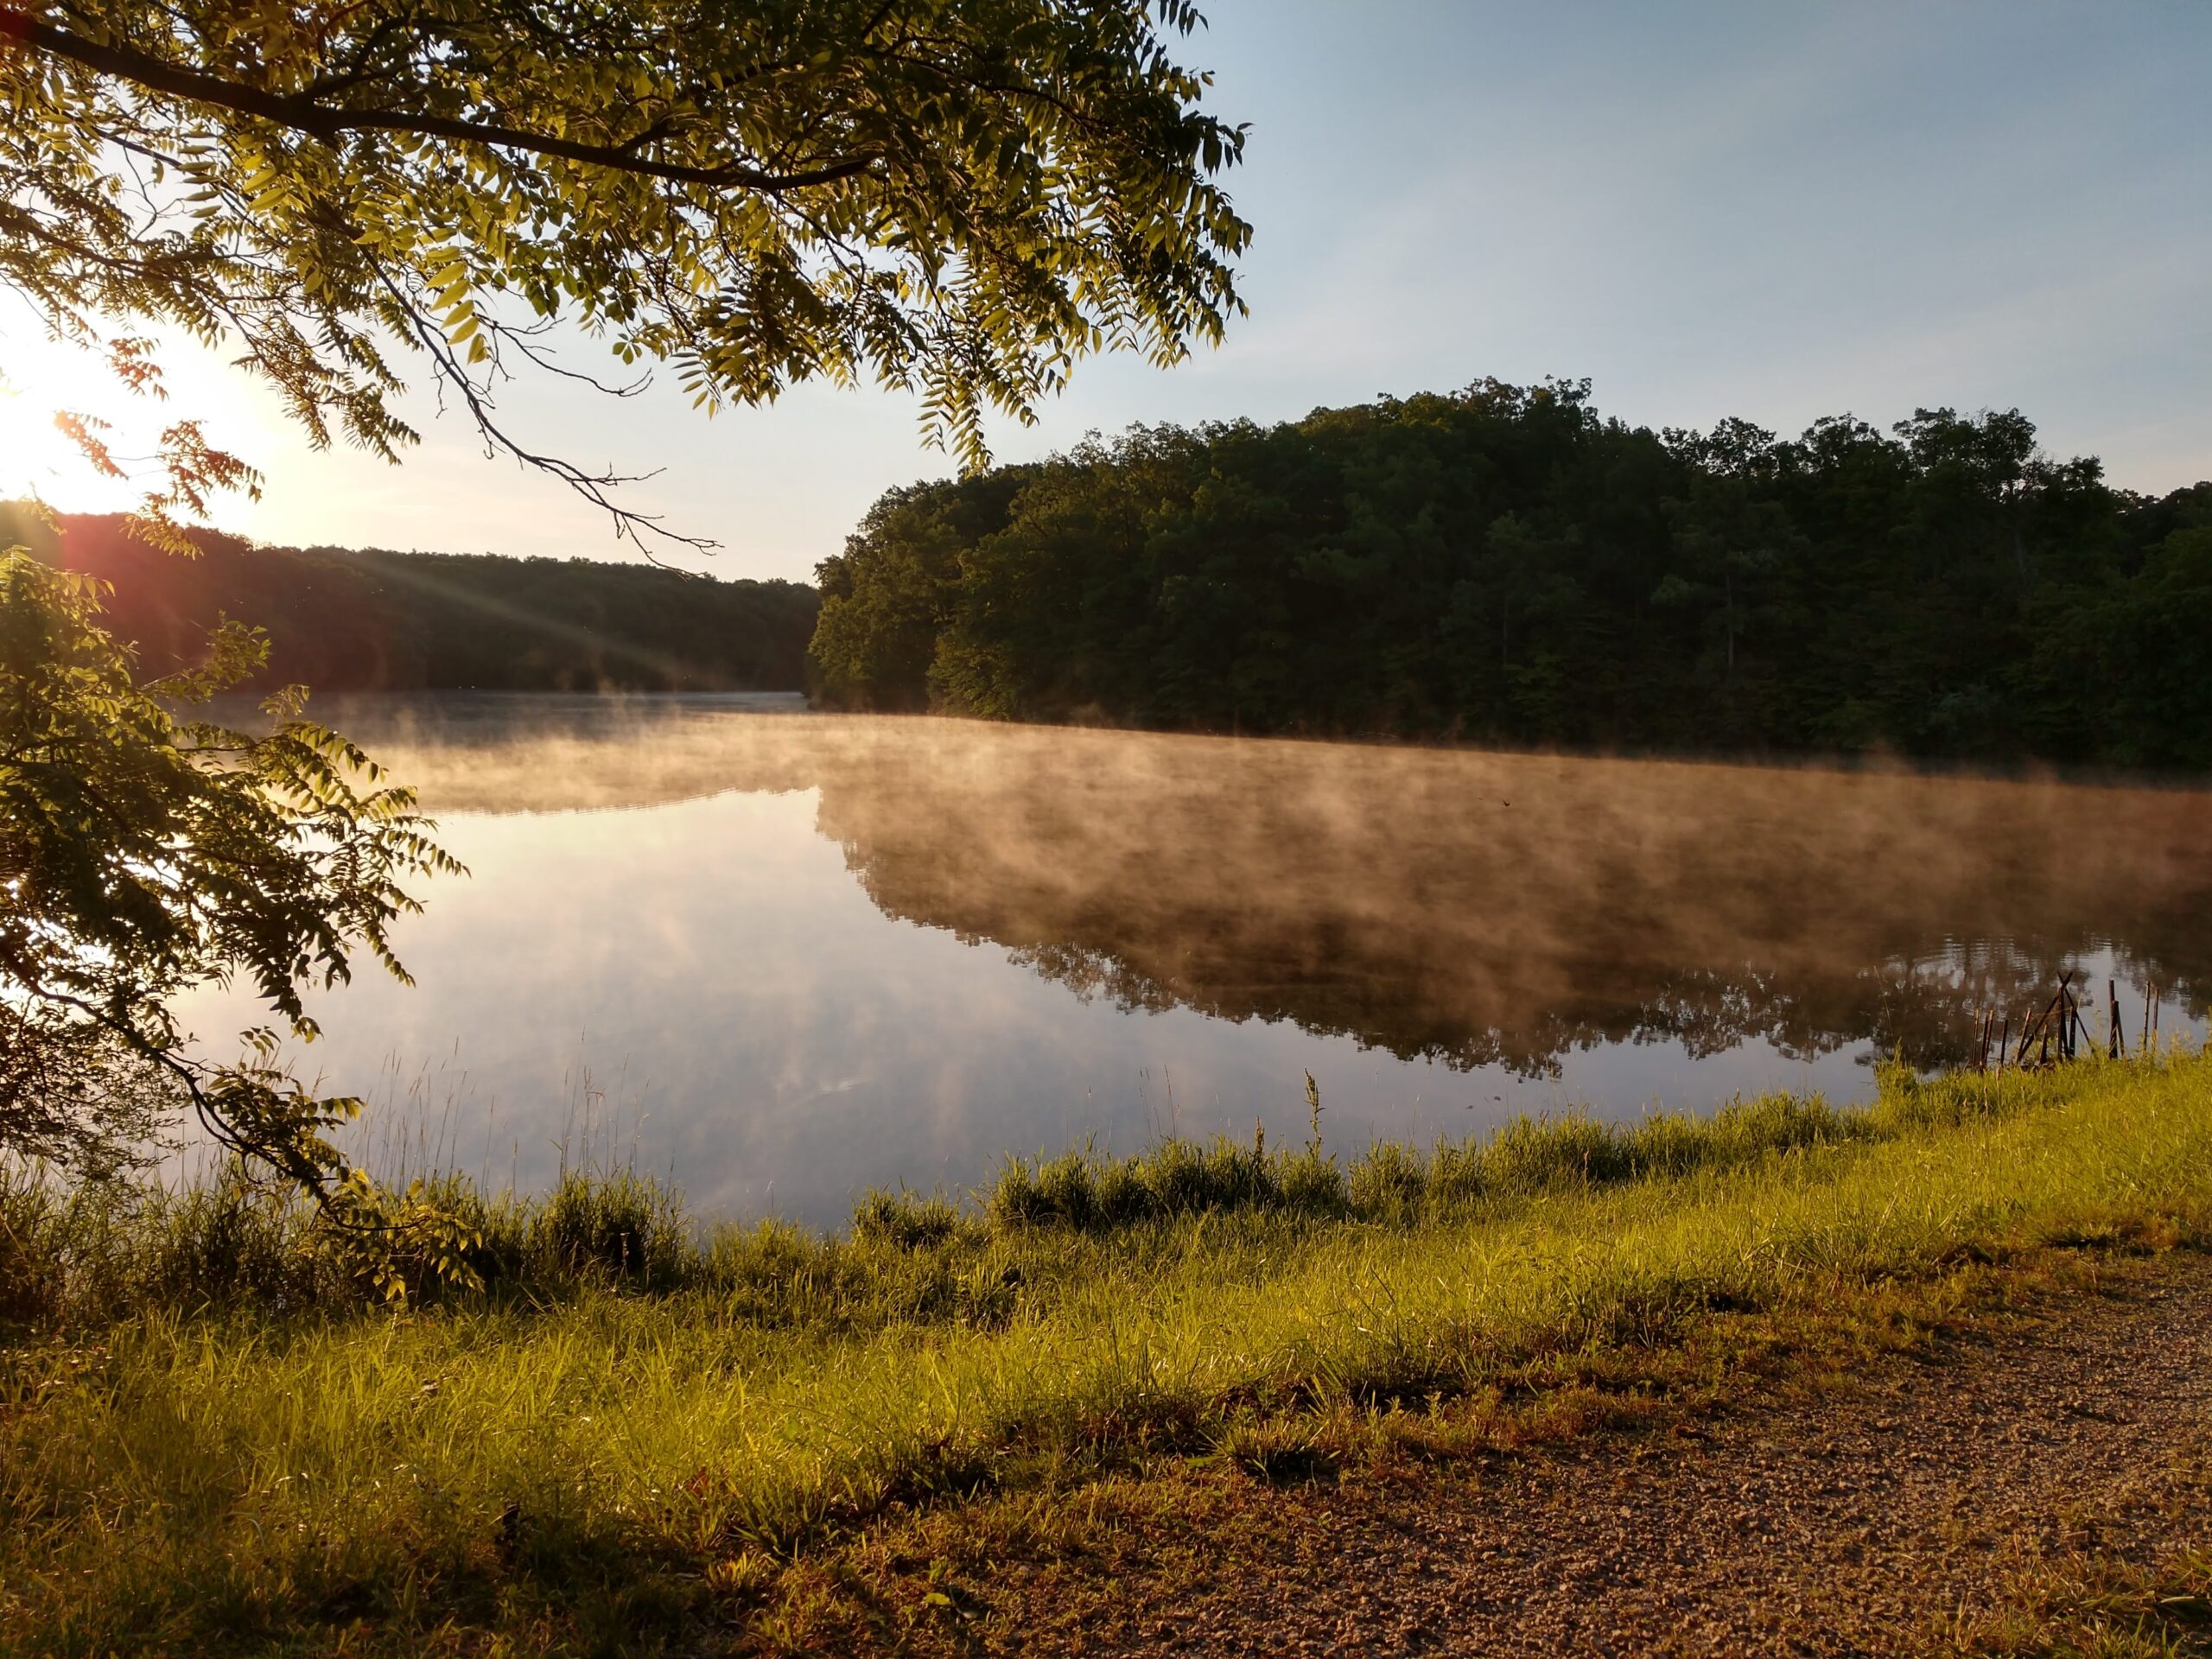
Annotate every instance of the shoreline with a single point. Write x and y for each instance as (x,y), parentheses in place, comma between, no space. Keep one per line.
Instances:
(629,1446)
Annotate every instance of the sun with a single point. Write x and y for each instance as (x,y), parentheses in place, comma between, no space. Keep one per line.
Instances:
(36,460)
(40,377)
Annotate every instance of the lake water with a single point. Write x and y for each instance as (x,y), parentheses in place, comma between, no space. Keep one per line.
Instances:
(785,957)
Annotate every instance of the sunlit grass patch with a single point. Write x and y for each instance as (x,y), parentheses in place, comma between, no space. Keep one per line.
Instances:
(206,1432)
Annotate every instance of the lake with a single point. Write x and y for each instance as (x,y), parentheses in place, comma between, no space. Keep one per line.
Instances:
(784,957)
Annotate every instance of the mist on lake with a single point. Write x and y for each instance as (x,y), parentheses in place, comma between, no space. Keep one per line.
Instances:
(783,957)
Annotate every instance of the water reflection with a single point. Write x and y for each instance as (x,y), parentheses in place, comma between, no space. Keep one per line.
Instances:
(1176,927)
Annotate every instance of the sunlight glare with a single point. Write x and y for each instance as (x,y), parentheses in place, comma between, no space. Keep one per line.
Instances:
(40,377)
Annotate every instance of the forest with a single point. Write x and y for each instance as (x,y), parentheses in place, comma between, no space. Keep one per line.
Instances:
(1505,564)
(346,620)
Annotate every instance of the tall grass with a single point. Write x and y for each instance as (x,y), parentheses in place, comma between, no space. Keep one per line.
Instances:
(187,1407)
(1392,1182)
(73,1255)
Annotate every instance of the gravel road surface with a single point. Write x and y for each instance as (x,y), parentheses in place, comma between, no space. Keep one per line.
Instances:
(1887,1520)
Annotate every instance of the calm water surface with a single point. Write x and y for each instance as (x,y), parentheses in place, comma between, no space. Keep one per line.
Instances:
(787,956)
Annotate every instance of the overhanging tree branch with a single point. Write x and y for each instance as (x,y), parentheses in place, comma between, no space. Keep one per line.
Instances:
(303,114)
(955,198)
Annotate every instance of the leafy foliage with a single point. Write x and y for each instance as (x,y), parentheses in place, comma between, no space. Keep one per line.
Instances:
(1504,564)
(142,853)
(958,197)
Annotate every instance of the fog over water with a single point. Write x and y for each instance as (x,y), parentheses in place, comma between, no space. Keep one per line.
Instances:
(800,955)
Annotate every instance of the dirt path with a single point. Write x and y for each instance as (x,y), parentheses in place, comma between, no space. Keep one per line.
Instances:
(1887,1522)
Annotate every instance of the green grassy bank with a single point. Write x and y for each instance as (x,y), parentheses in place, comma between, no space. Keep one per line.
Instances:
(210,1439)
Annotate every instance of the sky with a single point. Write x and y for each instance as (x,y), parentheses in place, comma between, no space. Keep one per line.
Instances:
(1773,212)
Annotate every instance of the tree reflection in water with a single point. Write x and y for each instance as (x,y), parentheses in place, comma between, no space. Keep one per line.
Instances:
(1470,907)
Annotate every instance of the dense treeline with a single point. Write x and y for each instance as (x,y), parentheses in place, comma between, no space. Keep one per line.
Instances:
(343,620)
(1505,564)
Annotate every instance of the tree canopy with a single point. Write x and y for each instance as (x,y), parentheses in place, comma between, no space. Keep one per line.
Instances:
(1505,564)
(960,197)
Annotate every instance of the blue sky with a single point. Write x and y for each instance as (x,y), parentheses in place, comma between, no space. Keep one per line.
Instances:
(1773,210)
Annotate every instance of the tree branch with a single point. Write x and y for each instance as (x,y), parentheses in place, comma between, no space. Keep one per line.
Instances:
(303,114)
(631,525)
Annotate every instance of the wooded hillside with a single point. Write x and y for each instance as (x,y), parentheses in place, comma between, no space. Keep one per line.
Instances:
(1506,564)
(344,620)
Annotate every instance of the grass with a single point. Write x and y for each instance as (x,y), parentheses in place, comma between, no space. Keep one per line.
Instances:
(637,1429)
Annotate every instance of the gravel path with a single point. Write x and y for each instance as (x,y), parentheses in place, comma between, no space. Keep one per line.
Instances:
(1878,1523)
